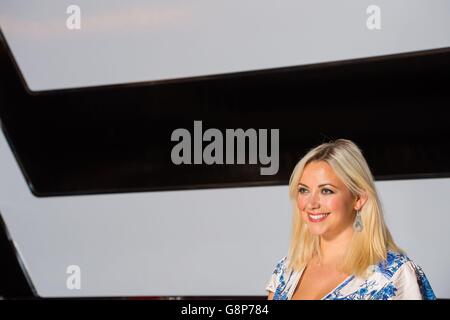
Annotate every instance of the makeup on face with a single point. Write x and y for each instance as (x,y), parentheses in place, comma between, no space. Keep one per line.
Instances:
(321,195)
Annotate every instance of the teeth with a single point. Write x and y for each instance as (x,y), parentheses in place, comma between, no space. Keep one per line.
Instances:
(318,216)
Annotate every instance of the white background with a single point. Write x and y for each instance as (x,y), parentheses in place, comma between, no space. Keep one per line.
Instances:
(137,40)
(204,242)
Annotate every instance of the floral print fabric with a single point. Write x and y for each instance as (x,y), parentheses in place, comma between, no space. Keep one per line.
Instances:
(398,277)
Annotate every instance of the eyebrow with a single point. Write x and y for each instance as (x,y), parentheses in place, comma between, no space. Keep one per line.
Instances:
(320,185)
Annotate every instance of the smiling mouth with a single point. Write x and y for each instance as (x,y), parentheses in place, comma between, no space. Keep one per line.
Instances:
(318,217)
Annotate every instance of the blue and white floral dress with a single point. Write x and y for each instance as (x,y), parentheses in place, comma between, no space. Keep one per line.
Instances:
(397,277)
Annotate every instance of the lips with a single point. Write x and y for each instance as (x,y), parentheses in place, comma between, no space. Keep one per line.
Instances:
(317,217)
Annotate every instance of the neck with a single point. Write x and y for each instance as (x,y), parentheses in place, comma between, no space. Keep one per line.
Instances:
(333,248)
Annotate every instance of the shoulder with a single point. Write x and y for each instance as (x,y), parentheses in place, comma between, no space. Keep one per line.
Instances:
(280,269)
(278,275)
(281,265)
(404,277)
(393,263)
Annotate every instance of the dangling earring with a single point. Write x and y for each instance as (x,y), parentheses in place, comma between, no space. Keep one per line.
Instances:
(358,224)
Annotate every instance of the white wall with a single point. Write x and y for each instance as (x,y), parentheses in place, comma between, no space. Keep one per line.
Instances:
(204,242)
(140,40)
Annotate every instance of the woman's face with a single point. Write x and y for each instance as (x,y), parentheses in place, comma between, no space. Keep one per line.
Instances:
(325,203)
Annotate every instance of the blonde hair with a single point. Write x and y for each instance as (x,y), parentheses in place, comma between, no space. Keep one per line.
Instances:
(368,247)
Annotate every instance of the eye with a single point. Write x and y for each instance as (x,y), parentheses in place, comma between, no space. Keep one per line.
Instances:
(302,190)
(327,191)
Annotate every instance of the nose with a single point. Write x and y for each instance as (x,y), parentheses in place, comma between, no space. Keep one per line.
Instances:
(314,201)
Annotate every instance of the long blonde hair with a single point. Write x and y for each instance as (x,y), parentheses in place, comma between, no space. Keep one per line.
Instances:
(368,247)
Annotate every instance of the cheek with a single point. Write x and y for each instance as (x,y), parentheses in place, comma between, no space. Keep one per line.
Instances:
(334,203)
(301,202)
(330,202)
(339,205)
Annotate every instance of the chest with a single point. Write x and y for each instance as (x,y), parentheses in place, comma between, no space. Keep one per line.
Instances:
(316,282)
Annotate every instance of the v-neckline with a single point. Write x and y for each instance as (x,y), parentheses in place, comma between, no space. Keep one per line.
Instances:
(339,286)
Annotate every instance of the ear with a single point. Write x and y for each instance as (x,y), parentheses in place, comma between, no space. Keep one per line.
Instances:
(361,199)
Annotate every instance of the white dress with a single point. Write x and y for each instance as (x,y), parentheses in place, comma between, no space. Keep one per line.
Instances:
(398,277)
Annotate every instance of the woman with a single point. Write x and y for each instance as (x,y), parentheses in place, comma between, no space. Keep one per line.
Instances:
(341,247)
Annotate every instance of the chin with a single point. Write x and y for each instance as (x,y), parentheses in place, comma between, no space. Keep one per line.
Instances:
(316,231)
